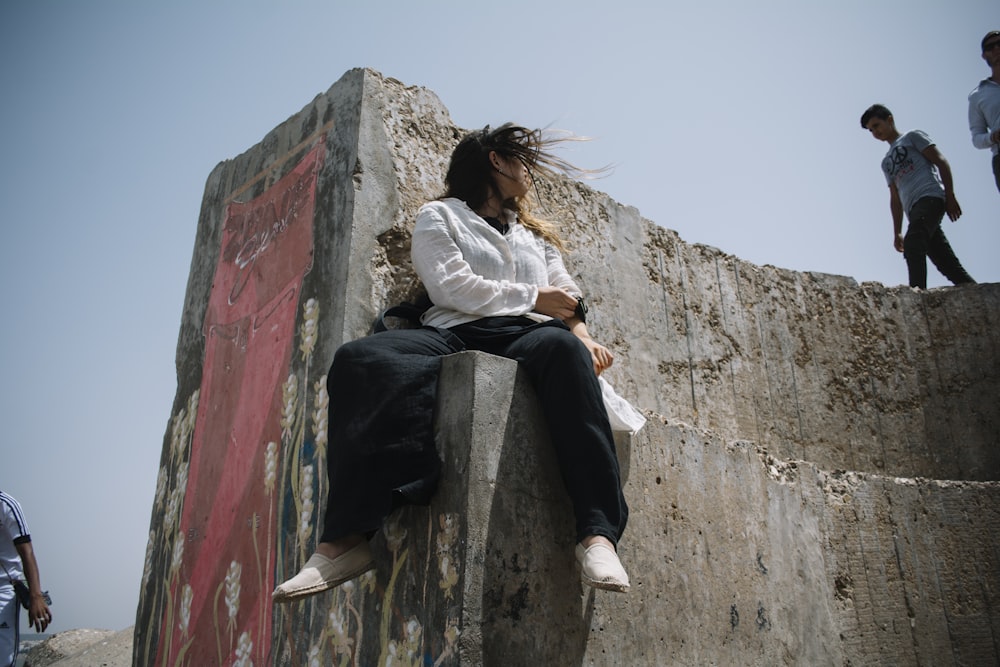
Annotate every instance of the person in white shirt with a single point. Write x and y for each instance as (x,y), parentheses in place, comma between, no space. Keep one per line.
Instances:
(17,567)
(984,104)
(495,276)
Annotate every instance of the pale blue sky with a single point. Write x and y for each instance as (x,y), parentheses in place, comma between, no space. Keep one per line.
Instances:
(734,123)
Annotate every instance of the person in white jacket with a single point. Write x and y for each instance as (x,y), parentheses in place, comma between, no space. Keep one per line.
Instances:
(984,104)
(495,276)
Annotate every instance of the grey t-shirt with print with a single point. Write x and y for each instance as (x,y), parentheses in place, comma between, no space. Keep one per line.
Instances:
(914,175)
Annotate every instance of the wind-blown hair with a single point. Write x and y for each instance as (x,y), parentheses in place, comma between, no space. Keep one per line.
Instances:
(470,172)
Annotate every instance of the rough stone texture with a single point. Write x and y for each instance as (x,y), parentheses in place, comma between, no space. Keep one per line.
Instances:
(83,648)
(735,557)
(809,365)
(818,482)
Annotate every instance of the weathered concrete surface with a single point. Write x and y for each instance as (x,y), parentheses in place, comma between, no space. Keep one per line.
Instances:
(377,158)
(735,557)
(748,543)
(811,366)
(83,648)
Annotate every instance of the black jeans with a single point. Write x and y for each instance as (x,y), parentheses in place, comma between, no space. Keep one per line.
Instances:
(382,395)
(925,238)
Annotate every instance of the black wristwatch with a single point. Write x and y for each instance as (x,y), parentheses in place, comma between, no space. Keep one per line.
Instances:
(581,309)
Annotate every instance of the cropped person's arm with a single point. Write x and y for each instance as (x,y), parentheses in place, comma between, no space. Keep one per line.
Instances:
(896,209)
(560,278)
(39,615)
(602,356)
(951,206)
(978,127)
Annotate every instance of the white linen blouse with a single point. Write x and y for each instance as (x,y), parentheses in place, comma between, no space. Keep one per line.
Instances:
(471,270)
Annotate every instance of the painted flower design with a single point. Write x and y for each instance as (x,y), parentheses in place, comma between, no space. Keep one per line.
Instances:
(392,656)
(172,511)
(447,562)
(182,425)
(307,332)
(178,554)
(315,657)
(171,516)
(233,591)
(182,479)
(321,404)
(449,574)
(147,567)
(367,582)
(178,432)
(306,513)
(187,595)
(340,631)
(413,633)
(270,465)
(192,410)
(289,401)
(244,650)
(394,533)
(451,635)
(161,486)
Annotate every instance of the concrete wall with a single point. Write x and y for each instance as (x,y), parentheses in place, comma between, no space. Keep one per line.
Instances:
(811,366)
(736,558)
(748,542)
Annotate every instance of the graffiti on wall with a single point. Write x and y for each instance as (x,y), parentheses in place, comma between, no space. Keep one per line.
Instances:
(221,507)
(242,482)
(405,613)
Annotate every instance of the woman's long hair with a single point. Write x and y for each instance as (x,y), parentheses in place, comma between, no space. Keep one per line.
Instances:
(470,172)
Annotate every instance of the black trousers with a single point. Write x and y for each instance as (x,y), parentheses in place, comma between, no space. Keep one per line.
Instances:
(925,238)
(381,441)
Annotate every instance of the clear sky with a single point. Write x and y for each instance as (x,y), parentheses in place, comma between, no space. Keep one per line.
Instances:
(734,123)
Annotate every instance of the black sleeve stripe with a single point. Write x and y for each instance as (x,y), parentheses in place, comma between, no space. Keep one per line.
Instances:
(15,510)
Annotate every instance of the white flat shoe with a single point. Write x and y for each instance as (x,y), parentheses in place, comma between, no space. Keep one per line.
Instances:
(321,573)
(601,568)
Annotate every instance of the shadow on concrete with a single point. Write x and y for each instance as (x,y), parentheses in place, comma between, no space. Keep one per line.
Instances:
(535,609)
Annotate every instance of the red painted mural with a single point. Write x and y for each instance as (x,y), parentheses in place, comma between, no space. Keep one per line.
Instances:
(218,608)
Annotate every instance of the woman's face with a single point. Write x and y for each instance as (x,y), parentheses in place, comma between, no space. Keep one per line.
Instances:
(511,176)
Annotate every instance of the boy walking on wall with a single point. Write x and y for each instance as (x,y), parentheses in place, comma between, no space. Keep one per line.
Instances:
(920,184)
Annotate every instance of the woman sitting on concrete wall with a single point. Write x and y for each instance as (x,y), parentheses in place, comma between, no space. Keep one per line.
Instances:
(498,284)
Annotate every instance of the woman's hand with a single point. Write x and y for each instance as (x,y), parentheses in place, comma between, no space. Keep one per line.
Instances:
(555,302)
(602,356)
